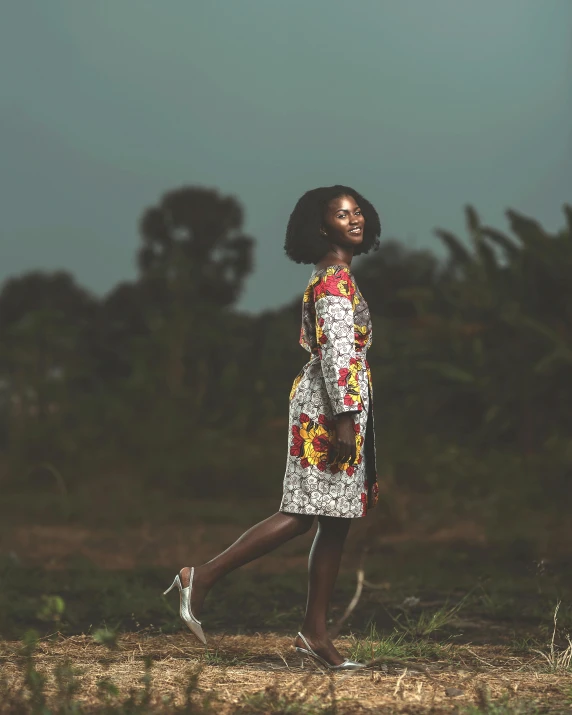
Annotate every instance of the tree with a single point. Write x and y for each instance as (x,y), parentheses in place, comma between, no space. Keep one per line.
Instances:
(46,339)
(193,264)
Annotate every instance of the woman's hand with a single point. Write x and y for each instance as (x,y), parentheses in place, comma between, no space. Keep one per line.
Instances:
(344,448)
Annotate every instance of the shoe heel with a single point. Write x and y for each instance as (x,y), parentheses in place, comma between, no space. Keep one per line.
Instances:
(171,586)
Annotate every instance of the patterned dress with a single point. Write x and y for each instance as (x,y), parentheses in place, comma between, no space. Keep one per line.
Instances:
(337,331)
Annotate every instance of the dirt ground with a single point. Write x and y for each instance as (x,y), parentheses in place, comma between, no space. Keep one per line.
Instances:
(236,667)
(263,668)
(51,545)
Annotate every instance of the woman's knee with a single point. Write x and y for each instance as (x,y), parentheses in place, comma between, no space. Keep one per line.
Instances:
(334,525)
(303,522)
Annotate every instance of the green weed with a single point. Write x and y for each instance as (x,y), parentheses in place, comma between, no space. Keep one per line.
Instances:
(427,623)
(395,645)
(215,657)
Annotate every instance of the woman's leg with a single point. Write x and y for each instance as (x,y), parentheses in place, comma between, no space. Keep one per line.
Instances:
(324,564)
(260,539)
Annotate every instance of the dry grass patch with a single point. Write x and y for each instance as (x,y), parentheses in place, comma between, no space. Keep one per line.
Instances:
(262,673)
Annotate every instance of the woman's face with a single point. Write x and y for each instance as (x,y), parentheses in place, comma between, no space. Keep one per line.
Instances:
(343,222)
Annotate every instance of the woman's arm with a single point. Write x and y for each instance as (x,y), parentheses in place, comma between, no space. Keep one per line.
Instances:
(333,299)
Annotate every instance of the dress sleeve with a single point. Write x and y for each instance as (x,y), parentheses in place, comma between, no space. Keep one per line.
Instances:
(333,299)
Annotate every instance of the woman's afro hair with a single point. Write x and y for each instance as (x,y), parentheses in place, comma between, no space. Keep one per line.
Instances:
(304,242)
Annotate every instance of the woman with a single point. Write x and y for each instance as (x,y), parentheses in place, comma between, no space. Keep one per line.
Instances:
(331,468)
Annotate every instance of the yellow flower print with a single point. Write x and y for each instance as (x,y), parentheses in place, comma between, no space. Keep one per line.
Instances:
(360,331)
(355,369)
(295,385)
(343,287)
(310,441)
(314,440)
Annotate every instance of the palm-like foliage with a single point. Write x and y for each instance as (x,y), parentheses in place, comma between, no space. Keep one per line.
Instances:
(522,310)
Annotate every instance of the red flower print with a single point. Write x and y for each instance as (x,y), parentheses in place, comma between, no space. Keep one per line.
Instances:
(339,283)
(297,442)
(311,441)
(336,282)
(320,443)
(363,504)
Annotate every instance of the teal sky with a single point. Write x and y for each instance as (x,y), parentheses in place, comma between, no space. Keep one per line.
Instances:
(421,105)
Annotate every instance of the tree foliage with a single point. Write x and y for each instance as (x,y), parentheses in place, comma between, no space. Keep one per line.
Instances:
(164,375)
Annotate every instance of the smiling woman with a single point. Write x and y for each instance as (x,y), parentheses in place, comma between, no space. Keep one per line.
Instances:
(323,217)
(331,405)
(330,468)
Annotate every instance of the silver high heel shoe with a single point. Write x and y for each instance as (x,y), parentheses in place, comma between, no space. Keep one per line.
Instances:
(346,665)
(185,606)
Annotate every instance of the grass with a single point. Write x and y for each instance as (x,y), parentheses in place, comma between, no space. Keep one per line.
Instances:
(428,622)
(271,700)
(558,660)
(84,597)
(138,673)
(421,651)
(81,597)
(32,696)
(505,706)
(496,605)
(447,616)
(524,644)
(395,646)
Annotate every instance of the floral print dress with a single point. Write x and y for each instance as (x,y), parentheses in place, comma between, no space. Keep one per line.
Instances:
(337,331)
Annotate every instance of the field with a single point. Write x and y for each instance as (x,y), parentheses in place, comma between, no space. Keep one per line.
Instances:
(453,620)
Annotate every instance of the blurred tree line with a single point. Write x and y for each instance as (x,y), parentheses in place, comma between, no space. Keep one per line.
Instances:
(163,383)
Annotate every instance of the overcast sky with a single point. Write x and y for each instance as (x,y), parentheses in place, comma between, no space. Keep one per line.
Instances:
(421,105)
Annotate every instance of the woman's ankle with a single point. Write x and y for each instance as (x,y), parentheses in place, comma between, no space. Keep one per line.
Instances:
(317,637)
(206,576)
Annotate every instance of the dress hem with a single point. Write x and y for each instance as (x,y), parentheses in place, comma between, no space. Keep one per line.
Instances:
(321,513)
